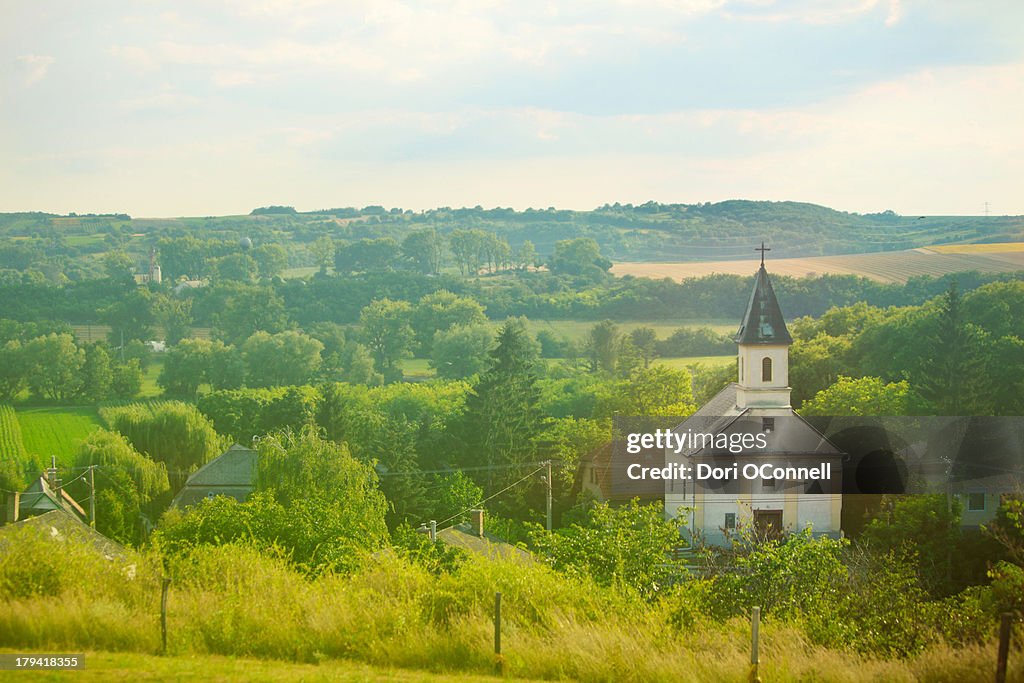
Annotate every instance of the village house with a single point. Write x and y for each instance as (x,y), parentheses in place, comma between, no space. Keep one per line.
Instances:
(232,474)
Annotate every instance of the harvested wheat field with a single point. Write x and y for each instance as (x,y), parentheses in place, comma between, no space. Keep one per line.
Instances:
(891,266)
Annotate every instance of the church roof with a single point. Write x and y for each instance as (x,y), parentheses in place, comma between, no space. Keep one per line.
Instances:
(763,322)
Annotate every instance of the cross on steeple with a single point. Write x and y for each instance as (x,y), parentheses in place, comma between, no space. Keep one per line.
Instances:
(762,249)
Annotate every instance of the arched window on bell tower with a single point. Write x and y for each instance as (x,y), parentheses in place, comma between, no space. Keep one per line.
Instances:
(766,369)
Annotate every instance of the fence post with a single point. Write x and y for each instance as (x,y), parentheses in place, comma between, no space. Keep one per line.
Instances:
(1004,646)
(755,628)
(163,614)
(499,661)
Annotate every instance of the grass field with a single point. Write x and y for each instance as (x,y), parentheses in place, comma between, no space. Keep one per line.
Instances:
(108,666)
(56,431)
(890,266)
(150,389)
(713,361)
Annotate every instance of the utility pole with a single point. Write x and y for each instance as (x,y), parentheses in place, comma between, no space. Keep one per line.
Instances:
(548,463)
(92,496)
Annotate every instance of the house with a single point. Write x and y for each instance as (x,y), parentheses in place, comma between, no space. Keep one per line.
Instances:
(62,526)
(38,499)
(471,537)
(232,473)
(810,493)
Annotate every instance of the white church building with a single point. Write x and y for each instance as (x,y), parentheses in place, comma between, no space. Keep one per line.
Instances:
(759,402)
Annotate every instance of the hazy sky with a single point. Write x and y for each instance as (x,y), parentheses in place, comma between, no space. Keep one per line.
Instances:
(214,107)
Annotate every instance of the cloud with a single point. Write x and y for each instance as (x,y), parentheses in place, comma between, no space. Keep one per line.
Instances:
(35,67)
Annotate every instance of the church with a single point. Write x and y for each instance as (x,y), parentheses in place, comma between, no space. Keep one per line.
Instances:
(758,403)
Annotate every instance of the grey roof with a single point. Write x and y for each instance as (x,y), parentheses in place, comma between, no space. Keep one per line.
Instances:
(490,546)
(792,435)
(763,322)
(232,473)
(62,526)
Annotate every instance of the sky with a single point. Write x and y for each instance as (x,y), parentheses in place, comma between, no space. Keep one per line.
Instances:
(213,107)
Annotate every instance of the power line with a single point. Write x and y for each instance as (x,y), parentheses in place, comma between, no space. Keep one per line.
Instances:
(477,505)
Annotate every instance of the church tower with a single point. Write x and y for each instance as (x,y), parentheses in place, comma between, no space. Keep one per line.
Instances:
(763,348)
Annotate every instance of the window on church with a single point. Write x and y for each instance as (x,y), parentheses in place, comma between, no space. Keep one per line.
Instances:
(766,369)
(975,502)
(730,520)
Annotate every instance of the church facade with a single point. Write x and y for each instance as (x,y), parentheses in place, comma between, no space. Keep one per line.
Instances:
(758,403)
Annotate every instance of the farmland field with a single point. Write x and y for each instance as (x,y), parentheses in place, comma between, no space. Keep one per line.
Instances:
(11,445)
(891,266)
(986,248)
(56,431)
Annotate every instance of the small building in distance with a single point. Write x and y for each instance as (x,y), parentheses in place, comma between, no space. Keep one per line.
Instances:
(38,499)
(471,537)
(232,474)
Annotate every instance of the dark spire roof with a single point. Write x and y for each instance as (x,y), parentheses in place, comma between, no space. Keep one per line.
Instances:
(763,322)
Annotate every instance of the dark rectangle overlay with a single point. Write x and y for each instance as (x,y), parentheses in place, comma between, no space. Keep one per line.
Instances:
(763,450)
(35,661)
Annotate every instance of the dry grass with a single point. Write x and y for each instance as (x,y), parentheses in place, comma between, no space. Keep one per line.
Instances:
(230,601)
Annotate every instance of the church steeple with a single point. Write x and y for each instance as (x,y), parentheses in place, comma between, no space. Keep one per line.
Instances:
(763,322)
(763,348)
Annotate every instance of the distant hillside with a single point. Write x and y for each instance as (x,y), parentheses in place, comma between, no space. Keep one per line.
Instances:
(649,232)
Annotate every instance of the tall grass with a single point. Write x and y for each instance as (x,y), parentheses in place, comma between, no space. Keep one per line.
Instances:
(231,600)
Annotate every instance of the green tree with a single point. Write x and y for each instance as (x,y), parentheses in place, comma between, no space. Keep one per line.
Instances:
(186,366)
(525,256)
(925,526)
(367,255)
(461,351)
(175,316)
(440,311)
(13,369)
(119,266)
(281,359)
(457,493)
(502,417)
(626,547)
(424,249)
(816,364)
(130,317)
(128,482)
(644,340)
(171,432)
(602,346)
(864,396)
(246,309)
(388,334)
(953,376)
(322,249)
(579,257)
(126,379)
(54,366)
(238,267)
(97,375)
(272,259)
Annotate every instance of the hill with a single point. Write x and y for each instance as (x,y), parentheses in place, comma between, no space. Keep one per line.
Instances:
(649,232)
